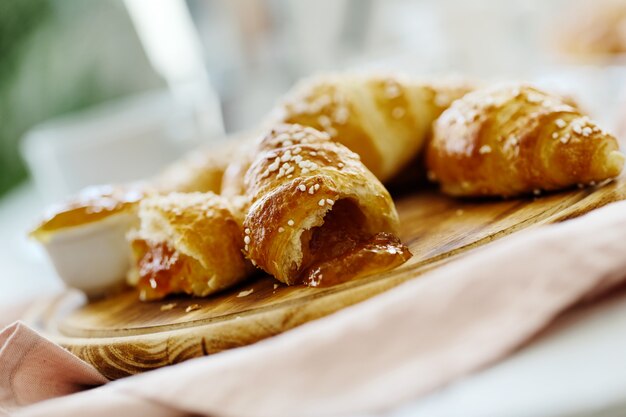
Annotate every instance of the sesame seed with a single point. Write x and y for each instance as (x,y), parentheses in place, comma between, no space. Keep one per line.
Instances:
(341,115)
(192,308)
(340,165)
(322,202)
(291,222)
(302,187)
(247,231)
(560,123)
(286,156)
(246,240)
(274,165)
(330,202)
(245,293)
(555,135)
(392,91)
(317,187)
(281,229)
(324,121)
(312,190)
(398,113)
(484,149)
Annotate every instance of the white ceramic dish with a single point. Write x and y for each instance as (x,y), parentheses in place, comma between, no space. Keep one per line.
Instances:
(93,257)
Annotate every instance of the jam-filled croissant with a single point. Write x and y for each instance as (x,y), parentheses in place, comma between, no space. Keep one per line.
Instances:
(317,215)
(187,243)
(514,139)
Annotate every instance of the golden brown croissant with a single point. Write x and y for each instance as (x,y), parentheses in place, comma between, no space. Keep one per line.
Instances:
(187,243)
(514,139)
(593,29)
(317,215)
(201,170)
(385,119)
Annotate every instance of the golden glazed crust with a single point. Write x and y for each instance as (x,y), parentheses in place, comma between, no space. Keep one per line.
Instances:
(514,139)
(385,119)
(294,182)
(187,243)
(201,170)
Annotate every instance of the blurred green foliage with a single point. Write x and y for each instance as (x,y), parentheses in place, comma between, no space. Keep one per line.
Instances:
(58,56)
(17,20)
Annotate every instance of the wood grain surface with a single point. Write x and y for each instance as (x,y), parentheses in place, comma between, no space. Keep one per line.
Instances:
(122,336)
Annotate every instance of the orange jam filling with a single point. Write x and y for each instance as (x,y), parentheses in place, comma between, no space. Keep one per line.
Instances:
(163,270)
(341,250)
(93,204)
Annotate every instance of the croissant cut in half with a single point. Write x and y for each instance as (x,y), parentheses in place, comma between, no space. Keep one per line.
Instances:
(187,243)
(514,139)
(317,215)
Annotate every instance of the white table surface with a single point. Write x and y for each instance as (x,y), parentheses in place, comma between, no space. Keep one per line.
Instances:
(578,369)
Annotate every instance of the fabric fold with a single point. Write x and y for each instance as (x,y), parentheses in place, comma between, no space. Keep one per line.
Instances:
(33,369)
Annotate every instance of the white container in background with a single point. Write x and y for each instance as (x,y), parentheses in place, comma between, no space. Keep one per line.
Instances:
(116,142)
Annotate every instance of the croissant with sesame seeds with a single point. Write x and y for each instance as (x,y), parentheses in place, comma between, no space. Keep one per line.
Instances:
(187,243)
(514,139)
(317,215)
(386,119)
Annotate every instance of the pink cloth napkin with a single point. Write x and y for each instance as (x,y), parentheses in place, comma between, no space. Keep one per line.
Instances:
(34,369)
(369,357)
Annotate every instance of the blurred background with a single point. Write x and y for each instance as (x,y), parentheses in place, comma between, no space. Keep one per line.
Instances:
(94,92)
(110,91)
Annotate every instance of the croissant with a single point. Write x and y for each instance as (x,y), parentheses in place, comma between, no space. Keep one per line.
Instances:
(187,243)
(514,139)
(201,170)
(385,119)
(317,215)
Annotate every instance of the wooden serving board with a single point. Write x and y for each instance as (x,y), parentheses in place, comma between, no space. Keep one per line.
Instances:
(122,336)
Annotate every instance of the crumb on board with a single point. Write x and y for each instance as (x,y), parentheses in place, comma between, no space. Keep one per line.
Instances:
(275,286)
(168,307)
(245,293)
(192,308)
